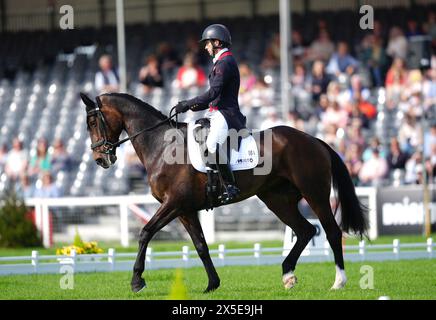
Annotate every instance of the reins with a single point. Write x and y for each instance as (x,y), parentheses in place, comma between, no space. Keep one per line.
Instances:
(115,145)
(111,147)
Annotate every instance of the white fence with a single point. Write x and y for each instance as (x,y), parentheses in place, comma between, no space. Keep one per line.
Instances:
(113,261)
(126,204)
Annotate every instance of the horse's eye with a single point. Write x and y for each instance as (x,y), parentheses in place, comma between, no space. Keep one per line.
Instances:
(92,124)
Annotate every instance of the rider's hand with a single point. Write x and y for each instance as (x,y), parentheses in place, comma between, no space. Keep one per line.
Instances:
(182,106)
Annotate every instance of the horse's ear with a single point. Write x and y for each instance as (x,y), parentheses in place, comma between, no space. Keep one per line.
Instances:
(87,101)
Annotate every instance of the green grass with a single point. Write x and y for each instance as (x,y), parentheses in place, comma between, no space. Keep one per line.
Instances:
(397,279)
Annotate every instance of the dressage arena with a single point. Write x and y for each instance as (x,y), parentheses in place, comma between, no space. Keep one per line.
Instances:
(75,196)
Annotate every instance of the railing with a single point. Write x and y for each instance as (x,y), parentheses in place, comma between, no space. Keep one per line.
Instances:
(126,211)
(113,261)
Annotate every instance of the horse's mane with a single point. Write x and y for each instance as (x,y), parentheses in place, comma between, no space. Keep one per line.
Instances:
(139,103)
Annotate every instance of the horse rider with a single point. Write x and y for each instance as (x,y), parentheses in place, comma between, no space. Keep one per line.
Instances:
(221,100)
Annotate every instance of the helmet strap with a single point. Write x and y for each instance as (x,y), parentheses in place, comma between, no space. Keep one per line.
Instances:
(216,48)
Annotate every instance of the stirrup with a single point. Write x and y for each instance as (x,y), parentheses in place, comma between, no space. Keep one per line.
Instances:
(230,193)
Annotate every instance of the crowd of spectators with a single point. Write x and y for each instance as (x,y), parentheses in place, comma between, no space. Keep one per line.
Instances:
(31,173)
(340,92)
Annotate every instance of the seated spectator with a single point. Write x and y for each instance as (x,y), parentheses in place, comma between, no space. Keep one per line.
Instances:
(200,55)
(190,74)
(373,56)
(330,136)
(429,140)
(354,162)
(25,188)
(374,170)
(322,48)
(248,79)
(321,106)
(3,156)
(354,133)
(298,78)
(412,28)
(397,44)
(335,115)
(396,78)
(319,80)
(60,159)
(48,188)
(248,83)
(397,73)
(261,95)
(298,49)
(414,167)
(396,157)
(429,89)
(355,114)
(356,89)
(106,79)
(374,143)
(431,164)
(149,75)
(41,161)
(367,108)
(341,61)
(335,93)
(17,161)
(271,58)
(430,27)
(168,59)
(409,134)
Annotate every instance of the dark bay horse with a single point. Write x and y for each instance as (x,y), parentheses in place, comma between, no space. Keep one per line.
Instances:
(302,166)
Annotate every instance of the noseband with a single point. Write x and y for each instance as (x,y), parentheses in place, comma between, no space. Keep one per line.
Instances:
(110,147)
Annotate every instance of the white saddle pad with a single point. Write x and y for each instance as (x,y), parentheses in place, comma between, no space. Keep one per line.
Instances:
(247,157)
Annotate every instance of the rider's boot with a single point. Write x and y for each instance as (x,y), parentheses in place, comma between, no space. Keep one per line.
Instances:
(231,191)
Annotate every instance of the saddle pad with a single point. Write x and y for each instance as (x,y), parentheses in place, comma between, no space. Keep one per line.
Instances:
(247,157)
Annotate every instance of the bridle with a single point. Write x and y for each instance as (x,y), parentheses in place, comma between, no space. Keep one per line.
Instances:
(109,147)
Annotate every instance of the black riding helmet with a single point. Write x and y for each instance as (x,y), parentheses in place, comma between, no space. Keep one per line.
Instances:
(218,32)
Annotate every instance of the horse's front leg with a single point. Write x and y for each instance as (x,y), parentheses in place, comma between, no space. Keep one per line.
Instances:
(164,215)
(193,226)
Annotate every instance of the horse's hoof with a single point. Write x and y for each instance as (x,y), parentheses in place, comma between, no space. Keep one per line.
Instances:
(289,280)
(340,280)
(338,286)
(138,285)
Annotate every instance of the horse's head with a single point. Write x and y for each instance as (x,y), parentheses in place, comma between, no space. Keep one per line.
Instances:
(104,126)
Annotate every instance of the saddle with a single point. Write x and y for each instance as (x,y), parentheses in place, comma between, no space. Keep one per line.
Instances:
(201,132)
(215,187)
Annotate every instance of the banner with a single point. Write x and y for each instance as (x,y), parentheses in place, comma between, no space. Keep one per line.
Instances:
(400,210)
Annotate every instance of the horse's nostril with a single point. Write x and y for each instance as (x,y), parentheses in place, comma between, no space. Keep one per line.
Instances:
(99,161)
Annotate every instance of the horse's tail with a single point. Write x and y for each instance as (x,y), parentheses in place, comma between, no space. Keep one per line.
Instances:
(353,212)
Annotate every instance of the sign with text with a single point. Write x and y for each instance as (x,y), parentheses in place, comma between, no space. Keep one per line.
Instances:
(401,211)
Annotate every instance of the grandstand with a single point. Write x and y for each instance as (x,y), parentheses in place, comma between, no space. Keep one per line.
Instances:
(42,72)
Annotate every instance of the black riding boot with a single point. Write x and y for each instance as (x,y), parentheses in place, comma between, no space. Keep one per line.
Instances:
(223,166)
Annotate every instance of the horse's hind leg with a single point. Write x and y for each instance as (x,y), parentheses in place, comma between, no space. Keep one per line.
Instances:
(334,236)
(285,206)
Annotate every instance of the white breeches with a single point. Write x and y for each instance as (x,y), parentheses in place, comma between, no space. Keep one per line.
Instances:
(218,130)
